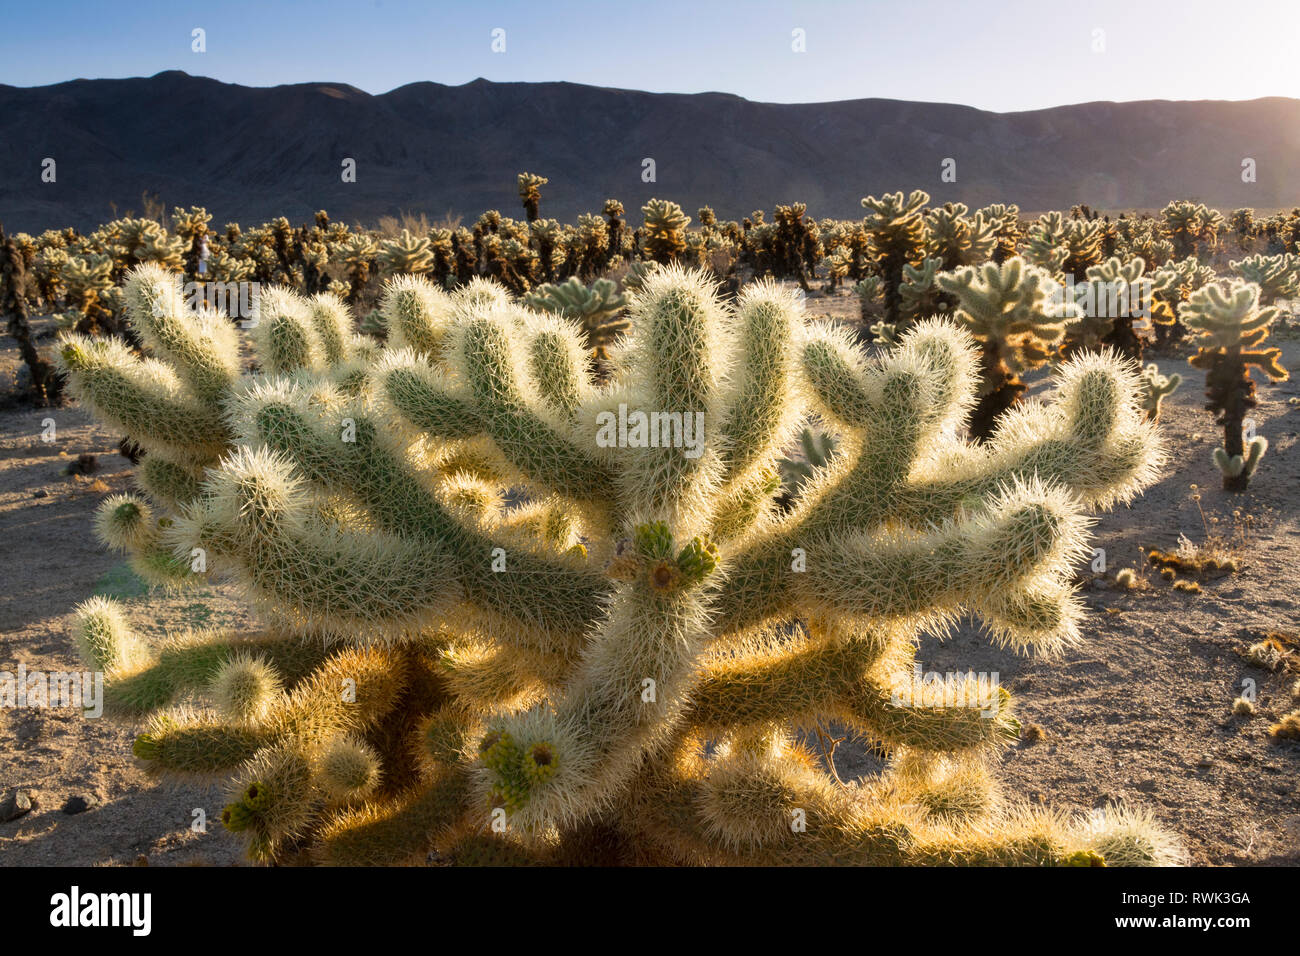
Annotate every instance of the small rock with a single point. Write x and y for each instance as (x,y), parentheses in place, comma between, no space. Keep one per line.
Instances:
(79,804)
(1205,761)
(40,494)
(18,804)
(1147,786)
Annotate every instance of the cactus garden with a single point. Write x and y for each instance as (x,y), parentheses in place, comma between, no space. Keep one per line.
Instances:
(661,538)
(614,438)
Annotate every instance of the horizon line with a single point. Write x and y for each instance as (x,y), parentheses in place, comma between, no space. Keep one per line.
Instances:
(620,89)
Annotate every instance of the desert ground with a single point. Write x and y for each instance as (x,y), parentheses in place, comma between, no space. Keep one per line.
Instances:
(1141,712)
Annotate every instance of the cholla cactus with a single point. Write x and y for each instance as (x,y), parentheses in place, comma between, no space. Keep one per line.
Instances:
(1157,388)
(530,191)
(1110,300)
(405,255)
(919,295)
(1017,313)
(191,227)
(1173,284)
(89,293)
(1006,229)
(837,266)
(44,382)
(816,448)
(897,230)
(597,310)
(1064,247)
(436,669)
(1278,277)
(664,230)
(956,240)
(870,300)
(1230,326)
(1191,227)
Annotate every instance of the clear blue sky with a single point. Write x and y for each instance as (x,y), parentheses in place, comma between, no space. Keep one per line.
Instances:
(1023,54)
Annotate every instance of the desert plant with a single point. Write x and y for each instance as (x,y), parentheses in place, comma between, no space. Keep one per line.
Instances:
(405,255)
(1230,325)
(90,294)
(957,240)
(613,211)
(1278,277)
(1156,388)
(1064,247)
(1112,297)
(817,448)
(919,295)
(1017,313)
(530,192)
(436,669)
(1006,229)
(1192,227)
(664,232)
(597,310)
(896,227)
(44,384)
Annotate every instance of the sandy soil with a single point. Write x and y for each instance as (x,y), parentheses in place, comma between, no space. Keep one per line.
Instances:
(1140,713)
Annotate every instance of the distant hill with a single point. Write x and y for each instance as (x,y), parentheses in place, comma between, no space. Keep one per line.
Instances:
(251,153)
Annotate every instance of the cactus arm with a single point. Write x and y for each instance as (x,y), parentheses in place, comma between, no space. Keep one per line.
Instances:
(760,418)
(188,664)
(399,833)
(538,593)
(144,398)
(537,447)
(349,692)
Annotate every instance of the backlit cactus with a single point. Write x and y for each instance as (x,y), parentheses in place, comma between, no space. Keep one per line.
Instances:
(530,193)
(1230,325)
(1192,227)
(1157,388)
(597,310)
(664,232)
(1017,313)
(897,229)
(511,614)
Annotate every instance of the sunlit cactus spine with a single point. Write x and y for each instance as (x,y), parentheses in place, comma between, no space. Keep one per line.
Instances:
(1230,325)
(497,621)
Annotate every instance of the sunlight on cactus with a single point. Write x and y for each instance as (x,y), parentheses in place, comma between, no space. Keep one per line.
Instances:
(1230,325)
(507,616)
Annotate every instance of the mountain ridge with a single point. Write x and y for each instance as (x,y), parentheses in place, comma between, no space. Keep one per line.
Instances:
(249,153)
